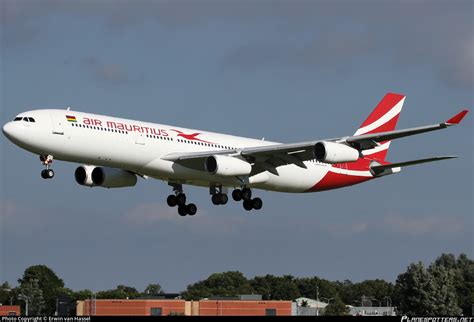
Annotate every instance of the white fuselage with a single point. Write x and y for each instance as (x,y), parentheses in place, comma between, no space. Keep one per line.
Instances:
(139,147)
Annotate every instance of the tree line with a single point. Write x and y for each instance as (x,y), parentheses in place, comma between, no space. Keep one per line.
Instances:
(445,287)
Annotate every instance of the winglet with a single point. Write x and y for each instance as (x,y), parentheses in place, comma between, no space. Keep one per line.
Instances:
(456,119)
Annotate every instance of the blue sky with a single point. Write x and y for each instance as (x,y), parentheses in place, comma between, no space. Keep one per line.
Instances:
(284,70)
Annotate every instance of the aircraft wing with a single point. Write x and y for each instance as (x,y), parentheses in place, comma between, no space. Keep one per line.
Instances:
(262,158)
(369,141)
(270,157)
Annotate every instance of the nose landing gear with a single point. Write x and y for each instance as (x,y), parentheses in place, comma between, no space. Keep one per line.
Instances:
(46,160)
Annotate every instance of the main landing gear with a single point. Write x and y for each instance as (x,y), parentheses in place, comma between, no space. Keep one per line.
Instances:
(179,199)
(246,195)
(219,195)
(46,160)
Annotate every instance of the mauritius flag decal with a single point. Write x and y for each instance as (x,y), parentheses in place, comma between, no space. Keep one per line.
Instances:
(71,118)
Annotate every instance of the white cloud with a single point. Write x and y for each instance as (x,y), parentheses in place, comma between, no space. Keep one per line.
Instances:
(434,225)
(348,229)
(157,214)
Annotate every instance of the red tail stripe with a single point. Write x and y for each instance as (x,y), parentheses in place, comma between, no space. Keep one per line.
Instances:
(385,105)
(336,180)
(389,126)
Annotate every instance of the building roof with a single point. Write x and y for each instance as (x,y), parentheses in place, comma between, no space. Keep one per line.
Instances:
(311,302)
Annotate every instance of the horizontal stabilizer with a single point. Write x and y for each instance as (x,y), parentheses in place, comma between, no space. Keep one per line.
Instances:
(379,170)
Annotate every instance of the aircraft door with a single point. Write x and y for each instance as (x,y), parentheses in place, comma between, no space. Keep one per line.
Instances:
(139,138)
(58,123)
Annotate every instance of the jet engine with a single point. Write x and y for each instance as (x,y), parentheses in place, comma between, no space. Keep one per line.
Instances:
(104,177)
(83,175)
(223,165)
(331,152)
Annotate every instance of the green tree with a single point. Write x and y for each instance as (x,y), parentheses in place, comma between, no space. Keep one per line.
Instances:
(219,284)
(120,292)
(445,292)
(429,291)
(464,283)
(48,282)
(316,287)
(347,292)
(263,285)
(31,292)
(463,280)
(276,287)
(82,295)
(285,288)
(5,293)
(373,289)
(336,307)
(153,290)
(415,291)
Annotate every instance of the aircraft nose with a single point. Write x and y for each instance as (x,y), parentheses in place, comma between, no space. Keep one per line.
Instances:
(10,130)
(7,129)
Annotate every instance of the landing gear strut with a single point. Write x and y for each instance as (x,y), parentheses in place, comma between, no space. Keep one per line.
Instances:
(246,195)
(179,199)
(46,160)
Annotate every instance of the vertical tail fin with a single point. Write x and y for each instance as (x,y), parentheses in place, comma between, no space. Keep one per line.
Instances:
(382,119)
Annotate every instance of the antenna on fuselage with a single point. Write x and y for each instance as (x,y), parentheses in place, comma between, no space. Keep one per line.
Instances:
(68,108)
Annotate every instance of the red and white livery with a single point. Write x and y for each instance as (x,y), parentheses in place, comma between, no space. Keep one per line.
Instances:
(115,151)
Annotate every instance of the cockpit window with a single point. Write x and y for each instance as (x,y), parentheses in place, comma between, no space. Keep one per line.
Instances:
(25,119)
(18,119)
(31,119)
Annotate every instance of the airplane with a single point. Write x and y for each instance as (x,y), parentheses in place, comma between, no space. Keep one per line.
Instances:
(115,151)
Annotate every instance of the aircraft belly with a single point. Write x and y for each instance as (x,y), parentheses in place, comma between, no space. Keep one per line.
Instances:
(292,178)
(171,171)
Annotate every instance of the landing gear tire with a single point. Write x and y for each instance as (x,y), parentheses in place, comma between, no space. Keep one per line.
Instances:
(171,201)
(191,209)
(237,194)
(182,210)
(215,200)
(223,198)
(248,205)
(181,199)
(257,203)
(47,174)
(219,199)
(246,194)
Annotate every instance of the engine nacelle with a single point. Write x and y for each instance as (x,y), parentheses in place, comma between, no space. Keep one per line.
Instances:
(92,176)
(113,178)
(223,165)
(331,152)
(83,175)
